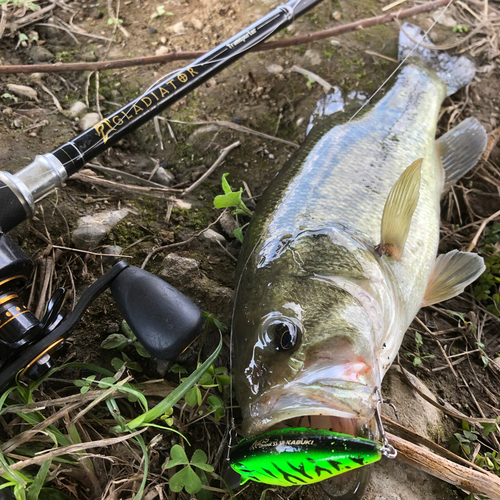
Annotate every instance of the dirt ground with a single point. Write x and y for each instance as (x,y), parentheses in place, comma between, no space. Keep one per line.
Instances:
(260,92)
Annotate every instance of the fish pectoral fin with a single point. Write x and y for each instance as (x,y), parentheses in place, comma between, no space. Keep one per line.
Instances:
(451,273)
(460,149)
(398,211)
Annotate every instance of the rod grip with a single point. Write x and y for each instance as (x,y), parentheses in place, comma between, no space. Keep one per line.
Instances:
(12,211)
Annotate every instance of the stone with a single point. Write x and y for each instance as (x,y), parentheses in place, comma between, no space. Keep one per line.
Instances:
(213,236)
(112,251)
(40,54)
(93,229)
(179,270)
(163,177)
(23,91)
(275,69)
(313,56)
(177,28)
(77,108)
(161,50)
(88,57)
(197,24)
(89,120)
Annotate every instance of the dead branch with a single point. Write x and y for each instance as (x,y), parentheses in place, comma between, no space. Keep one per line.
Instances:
(178,56)
(471,480)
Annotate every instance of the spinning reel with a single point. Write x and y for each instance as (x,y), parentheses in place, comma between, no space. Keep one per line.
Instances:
(164,320)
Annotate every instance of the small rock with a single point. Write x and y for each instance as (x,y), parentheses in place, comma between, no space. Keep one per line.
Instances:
(88,57)
(336,15)
(77,108)
(237,120)
(152,31)
(444,19)
(161,50)
(23,91)
(112,251)
(313,56)
(276,69)
(37,77)
(92,230)
(179,270)
(18,123)
(7,111)
(271,156)
(177,28)
(40,54)
(197,24)
(113,328)
(89,120)
(163,177)
(213,236)
(228,224)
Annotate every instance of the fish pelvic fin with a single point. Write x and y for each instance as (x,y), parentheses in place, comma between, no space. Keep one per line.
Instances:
(398,211)
(455,72)
(451,273)
(460,149)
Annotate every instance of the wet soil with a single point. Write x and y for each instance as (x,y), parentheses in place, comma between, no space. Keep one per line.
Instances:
(261,92)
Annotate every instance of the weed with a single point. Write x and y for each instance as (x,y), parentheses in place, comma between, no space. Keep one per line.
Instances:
(119,341)
(160,11)
(460,28)
(187,478)
(232,199)
(487,287)
(20,3)
(469,442)
(418,356)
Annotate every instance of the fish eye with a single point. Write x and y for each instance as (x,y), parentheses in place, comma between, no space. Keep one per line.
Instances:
(285,335)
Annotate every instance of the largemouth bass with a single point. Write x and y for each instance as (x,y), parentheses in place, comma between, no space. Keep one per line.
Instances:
(341,252)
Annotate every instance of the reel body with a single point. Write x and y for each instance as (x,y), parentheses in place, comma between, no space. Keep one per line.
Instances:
(163,319)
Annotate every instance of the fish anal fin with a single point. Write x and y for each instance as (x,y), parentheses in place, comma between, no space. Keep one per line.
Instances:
(451,273)
(398,211)
(460,149)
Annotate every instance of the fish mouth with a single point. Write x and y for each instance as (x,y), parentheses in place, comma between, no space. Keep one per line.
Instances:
(326,406)
(348,409)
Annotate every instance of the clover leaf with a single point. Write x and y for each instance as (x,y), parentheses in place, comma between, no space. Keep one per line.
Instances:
(187,478)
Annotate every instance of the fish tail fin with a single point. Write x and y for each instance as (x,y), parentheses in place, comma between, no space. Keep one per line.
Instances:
(455,71)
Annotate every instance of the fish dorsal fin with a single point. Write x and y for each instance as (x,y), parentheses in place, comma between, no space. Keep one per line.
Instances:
(451,273)
(398,211)
(460,149)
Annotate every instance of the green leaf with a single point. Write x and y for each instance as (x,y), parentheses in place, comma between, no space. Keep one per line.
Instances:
(177,394)
(141,350)
(177,457)
(470,435)
(177,369)
(106,382)
(115,341)
(199,459)
(238,234)
(417,361)
(488,428)
(418,340)
(117,363)
(36,486)
(187,479)
(127,330)
(193,397)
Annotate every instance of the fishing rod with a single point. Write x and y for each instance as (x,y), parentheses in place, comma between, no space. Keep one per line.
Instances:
(20,192)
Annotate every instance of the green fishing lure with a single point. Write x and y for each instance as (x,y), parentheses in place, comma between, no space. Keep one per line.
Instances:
(290,457)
